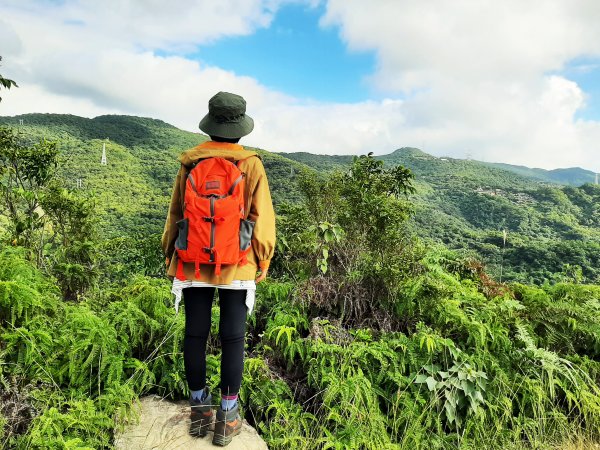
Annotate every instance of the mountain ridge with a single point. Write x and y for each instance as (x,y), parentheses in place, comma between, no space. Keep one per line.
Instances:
(104,126)
(574,176)
(466,205)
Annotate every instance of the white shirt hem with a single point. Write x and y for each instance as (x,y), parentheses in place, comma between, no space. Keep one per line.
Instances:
(248,285)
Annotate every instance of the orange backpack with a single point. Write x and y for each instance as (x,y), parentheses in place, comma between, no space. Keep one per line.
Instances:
(213,229)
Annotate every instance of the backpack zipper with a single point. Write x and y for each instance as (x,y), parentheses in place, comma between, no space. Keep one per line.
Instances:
(212,228)
(235,183)
(191,178)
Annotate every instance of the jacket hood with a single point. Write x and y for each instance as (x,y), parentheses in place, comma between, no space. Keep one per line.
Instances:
(232,152)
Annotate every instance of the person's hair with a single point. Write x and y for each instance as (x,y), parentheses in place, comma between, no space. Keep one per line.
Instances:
(222,139)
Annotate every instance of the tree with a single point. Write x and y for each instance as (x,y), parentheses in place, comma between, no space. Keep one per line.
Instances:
(6,83)
(25,170)
(347,242)
(375,201)
(72,247)
(55,225)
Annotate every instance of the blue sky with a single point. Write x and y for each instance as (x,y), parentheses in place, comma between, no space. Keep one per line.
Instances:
(511,81)
(585,71)
(296,56)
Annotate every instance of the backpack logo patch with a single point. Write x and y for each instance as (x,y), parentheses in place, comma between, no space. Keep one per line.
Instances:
(213,185)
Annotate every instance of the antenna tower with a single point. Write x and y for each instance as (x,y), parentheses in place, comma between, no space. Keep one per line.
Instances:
(103,161)
(79,183)
(597,179)
(20,121)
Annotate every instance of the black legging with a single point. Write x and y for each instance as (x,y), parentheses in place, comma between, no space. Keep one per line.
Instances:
(232,329)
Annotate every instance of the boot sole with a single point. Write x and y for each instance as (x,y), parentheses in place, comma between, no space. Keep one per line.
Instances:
(202,428)
(222,441)
(199,432)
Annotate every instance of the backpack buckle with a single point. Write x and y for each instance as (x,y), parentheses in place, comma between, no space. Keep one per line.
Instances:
(207,250)
(208,219)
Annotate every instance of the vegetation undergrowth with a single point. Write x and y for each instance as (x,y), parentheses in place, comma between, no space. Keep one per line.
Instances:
(363,338)
(379,342)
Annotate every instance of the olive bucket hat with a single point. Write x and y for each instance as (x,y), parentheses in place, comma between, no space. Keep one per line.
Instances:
(227,117)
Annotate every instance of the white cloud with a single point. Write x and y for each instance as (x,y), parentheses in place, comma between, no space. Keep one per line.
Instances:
(154,24)
(330,128)
(476,74)
(472,77)
(33,98)
(96,54)
(419,42)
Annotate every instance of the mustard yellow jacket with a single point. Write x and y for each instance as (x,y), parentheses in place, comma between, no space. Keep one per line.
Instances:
(259,208)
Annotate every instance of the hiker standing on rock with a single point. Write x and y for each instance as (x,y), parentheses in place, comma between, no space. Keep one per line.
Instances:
(219,233)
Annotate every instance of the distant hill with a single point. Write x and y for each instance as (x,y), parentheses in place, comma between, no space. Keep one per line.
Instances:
(574,176)
(428,165)
(465,204)
(320,162)
(128,131)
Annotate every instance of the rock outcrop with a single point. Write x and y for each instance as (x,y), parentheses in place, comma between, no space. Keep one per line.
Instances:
(164,425)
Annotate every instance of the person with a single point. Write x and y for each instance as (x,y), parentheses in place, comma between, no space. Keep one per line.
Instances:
(225,123)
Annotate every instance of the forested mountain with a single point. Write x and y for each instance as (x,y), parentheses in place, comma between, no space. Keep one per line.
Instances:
(467,205)
(368,332)
(574,176)
(134,188)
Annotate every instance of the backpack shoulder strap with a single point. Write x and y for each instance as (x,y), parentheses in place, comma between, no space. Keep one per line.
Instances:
(237,162)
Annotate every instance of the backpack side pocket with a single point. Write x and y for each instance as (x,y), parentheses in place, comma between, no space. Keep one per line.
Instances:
(246,229)
(182,237)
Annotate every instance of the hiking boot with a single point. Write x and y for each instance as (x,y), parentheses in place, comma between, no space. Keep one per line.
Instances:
(228,424)
(201,415)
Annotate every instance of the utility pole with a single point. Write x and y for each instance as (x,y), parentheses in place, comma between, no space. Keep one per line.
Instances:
(21,122)
(504,236)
